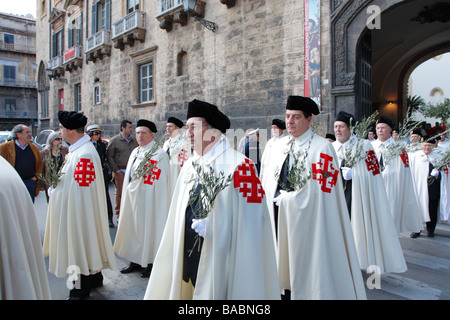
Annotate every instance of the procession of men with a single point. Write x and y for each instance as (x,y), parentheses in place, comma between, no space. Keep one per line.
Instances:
(200,220)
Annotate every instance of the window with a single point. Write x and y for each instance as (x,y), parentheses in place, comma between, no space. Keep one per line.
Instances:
(9,75)
(8,38)
(75,32)
(97,95)
(77,94)
(146,82)
(10,104)
(132,5)
(57,44)
(182,63)
(101,16)
(44,104)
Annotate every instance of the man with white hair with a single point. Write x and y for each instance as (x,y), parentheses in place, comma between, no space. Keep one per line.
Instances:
(25,157)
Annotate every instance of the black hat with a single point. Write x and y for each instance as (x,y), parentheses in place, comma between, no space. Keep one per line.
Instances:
(175,121)
(429,139)
(302,103)
(345,117)
(384,119)
(148,124)
(330,136)
(279,123)
(416,131)
(210,112)
(72,119)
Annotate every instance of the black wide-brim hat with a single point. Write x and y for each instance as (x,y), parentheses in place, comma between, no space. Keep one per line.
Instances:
(346,117)
(386,120)
(72,119)
(176,122)
(213,116)
(302,103)
(279,123)
(148,124)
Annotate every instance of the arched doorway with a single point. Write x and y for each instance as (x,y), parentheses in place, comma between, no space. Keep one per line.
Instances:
(409,32)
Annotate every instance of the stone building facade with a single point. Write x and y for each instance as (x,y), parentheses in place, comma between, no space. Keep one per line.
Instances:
(247,66)
(132,59)
(18,95)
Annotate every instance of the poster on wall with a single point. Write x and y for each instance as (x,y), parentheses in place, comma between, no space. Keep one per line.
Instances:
(312,49)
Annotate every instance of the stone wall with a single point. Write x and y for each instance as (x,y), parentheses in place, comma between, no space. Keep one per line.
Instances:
(247,67)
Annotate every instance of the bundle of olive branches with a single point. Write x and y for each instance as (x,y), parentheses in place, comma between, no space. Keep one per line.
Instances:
(360,131)
(441,164)
(299,174)
(145,167)
(52,173)
(210,186)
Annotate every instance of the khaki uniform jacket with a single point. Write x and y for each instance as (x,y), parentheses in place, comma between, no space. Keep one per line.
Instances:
(8,151)
(118,152)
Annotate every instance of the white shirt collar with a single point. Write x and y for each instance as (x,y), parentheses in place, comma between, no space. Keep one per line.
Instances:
(79,143)
(19,145)
(218,148)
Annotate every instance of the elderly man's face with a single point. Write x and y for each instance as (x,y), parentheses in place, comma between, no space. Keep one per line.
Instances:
(383,131)
(341,131)
(25,136)
(427,147)
(143,136)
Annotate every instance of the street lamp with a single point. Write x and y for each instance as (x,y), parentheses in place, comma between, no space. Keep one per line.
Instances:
(189,8)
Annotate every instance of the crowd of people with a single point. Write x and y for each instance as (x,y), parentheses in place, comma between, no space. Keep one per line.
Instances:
(202,220)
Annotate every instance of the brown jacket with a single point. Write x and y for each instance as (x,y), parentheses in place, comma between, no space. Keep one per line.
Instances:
(118,152)
(8,151)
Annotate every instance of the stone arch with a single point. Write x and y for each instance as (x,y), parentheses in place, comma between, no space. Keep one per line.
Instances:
(405,36)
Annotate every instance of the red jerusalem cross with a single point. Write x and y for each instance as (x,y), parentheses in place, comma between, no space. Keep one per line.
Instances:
(372,163)
(153,175)
(182,157)
(84,172)
(446,169)
(323,170)
(248,183)
(405,158)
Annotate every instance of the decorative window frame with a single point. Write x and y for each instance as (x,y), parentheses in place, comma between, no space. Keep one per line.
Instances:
(140,58)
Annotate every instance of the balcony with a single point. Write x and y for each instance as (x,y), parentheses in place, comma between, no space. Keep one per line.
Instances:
(128,29)
(72,58)
(55,65)
(19,114)
(171,11)
(18,83)
(98,45)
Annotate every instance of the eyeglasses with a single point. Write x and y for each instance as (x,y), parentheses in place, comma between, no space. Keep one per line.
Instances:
(58,139)
(95,132)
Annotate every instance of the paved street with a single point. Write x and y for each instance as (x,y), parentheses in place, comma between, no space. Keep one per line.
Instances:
(427,278)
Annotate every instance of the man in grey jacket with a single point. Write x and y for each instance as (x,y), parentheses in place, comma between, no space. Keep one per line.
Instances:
(118,152)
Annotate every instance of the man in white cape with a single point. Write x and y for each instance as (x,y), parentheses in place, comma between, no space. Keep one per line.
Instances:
(394,162)
(317,257)
(229,254)
(373,226)
(145,202)
(77,238)
(277,132)
(23,275)
(427,183)
(177,148)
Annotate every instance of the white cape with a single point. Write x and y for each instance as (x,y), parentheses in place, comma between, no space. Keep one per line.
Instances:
(400,191)
(77,231)
(444,207)
(373,226)
(317,256)
(143,210)
(179,152)
(22,268)
(238,256)
(420,171)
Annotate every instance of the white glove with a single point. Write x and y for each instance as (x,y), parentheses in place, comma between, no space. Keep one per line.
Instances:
(282,194)
(347,173)
(199,226)
(434,173)
(49,191)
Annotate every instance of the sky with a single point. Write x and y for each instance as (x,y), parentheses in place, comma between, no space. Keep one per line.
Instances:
(20,7)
